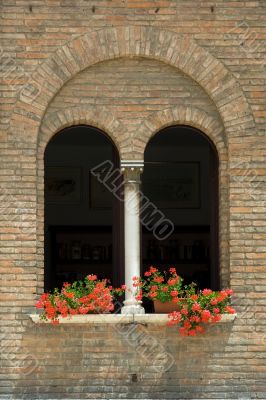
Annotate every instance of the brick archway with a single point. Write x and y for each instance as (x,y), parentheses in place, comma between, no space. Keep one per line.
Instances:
(57,121)
(101,118)
(173,49)
(214,131)
(182,115)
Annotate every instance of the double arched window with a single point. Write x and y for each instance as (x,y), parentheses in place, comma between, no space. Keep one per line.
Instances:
(89,205)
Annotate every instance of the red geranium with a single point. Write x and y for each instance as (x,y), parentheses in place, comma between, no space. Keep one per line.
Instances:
(81,297)
(161,286)
(200,308)
(197,308)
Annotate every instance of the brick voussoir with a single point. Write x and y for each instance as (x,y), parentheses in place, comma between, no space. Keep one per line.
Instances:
(156,41)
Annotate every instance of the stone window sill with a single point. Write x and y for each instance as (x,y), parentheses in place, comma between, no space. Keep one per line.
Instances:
(159,319)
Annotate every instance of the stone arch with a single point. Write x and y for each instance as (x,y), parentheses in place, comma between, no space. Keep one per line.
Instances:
(173,49)
(214,131)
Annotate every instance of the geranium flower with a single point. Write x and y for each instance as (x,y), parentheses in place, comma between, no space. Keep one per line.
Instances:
(84,310)
(172,281)
(205,315)
(176,300)
(196,307)
(174,293)
(216,318)
(92,277)
(195,318)
(44,296)
(69,295)
(206,292)
(187,324)
(39,304)
(229,291)
(172,270)
(158,279)
(200,329)
(175,316)
(230,310)
(137,283)
(183,331)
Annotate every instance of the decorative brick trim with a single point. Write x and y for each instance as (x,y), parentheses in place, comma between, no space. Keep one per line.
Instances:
(109,43)
(181,115)
(98,117)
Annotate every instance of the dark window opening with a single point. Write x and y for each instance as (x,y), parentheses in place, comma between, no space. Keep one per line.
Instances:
(181,180)
(79,211)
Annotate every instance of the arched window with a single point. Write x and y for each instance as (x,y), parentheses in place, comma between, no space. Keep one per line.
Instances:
(181,179)
(79,211)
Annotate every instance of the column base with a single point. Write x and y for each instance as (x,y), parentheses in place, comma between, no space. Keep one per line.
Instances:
(132,306)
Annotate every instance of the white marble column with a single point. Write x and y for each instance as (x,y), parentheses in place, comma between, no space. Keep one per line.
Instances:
(132,178)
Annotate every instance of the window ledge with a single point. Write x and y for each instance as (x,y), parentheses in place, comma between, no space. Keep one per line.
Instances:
(159,319)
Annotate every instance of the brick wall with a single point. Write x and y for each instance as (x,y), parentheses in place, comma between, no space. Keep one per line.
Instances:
(130,361)
(195,62)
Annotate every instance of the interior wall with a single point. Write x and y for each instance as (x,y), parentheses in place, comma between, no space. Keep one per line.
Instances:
(182,144)
(85,158)
(78,149)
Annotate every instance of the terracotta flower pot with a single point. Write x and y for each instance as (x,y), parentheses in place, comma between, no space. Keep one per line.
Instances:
(166,307)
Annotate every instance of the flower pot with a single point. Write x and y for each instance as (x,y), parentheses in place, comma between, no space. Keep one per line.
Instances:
(166,307)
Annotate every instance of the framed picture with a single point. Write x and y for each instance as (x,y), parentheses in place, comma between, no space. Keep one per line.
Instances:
(62,185)
(100,196)
(173,185)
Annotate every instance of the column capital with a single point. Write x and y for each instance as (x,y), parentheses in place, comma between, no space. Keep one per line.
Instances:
(132,169)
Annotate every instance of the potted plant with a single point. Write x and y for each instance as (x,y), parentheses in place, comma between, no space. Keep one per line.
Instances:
(81,297)
(188,307)
(163,288)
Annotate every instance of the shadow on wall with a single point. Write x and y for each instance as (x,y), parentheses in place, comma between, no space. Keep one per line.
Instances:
(118,361)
